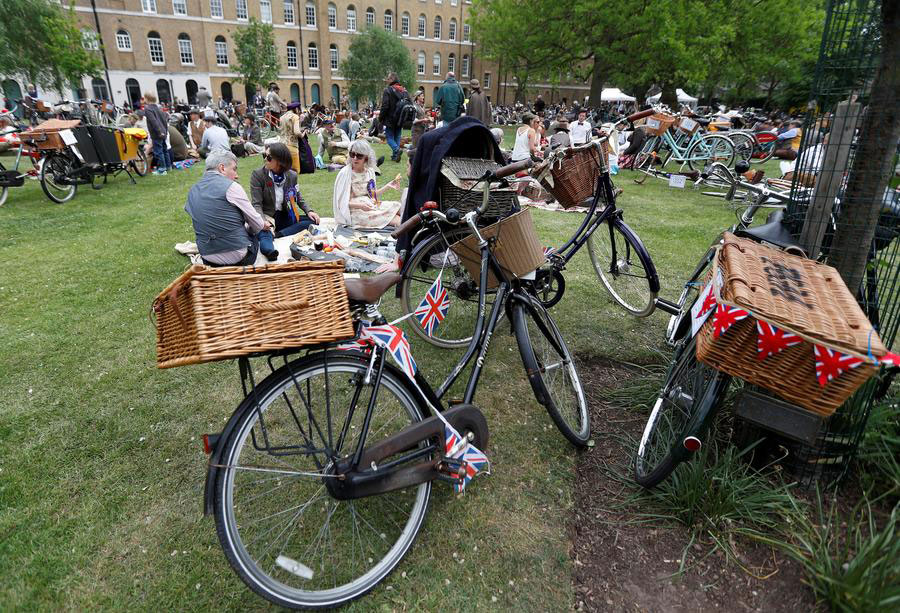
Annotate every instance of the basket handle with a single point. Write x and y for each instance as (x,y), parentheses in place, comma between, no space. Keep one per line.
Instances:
(286,305)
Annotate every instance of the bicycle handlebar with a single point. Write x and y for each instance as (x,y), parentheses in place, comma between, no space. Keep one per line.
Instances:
(410,224)
(639,115)
(511,169)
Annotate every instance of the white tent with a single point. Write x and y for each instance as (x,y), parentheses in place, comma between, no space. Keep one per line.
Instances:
(614,94)
(683,98)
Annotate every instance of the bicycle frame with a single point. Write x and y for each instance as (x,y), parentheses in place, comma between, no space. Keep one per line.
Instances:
(592,221)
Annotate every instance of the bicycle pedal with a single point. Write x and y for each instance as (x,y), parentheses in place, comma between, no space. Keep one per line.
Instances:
(452,467)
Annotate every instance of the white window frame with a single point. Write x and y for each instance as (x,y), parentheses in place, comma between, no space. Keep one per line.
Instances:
(179,7)
(311,14)
(90,40)
(240,9)
(436,64)
(420,63)
(216,10)
(186,48)
(451,62)
(370,17)
(160,50)
(148,6)
(453,2)
(221,52)
(487,81)
(312,57)
(422,26)
(466,65)
(389,21)
(265,11)
(451,29)
(404,24)
(288,7)
(292,57)
(334,57)
(467,33)
(351,20)
(123,43)
(438,27)
(332,17)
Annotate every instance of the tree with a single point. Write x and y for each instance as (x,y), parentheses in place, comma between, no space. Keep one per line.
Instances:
(42,42)
(254,48)
(372,54)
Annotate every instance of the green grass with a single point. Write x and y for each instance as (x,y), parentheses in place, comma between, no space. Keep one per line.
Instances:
(101,470)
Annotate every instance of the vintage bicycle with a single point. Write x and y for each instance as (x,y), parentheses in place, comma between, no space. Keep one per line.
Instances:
(13,177)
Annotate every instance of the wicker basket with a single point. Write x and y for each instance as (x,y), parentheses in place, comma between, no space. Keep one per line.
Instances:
(797,294)
(517,248)
(571,174)
(460,175)
(45,135)
(658,123)
(210,314)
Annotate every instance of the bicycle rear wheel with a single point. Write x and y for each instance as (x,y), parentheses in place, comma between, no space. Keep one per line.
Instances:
(686,400)
(624,267)
(643,161)
(56,168)
(711,148)
(141,165)
(743,145)
(551,369)
(274,516)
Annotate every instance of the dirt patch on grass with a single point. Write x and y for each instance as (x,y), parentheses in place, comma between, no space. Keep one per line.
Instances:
(622,565)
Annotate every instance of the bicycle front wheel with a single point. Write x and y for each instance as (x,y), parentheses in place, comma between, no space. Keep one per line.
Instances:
(624,267)
(551,369)
(692,389)
(274,516)
(56,168)
(711,148)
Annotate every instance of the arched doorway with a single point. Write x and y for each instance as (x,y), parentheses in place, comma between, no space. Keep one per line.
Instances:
(191,87)
(163,92)
(226,91)
(315,94)
(295,92)
(133,89)
(12,91)
(336,94)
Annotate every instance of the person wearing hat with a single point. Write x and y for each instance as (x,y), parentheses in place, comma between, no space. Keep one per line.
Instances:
(196,126)
(393,98)
(215,138)
(334,142)
(273,101)
(295,136)
(249,138)
(560,137)
(479,106)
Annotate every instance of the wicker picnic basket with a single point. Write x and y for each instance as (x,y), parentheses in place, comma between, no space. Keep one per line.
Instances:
(570,174)
(516,248)
(658,123)
(799,296)
(210,314)
(460,175)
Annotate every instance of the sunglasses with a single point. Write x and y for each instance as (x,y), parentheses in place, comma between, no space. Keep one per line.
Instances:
(359,156)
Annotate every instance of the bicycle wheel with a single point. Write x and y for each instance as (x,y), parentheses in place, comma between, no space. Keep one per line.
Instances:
(551,369)
(274,516)
(643,161)
(56,167)
(692,389)
(265,128)
(141,165)
(710,148)
(624,267)
(743,145)
(427,260)
(4,191)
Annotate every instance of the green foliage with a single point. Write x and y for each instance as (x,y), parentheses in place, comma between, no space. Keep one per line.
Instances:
(254,48)
(42,42)
(373,53)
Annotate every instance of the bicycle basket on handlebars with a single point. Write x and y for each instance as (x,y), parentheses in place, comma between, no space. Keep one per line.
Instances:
(459,176)
(658,123)
(570,174)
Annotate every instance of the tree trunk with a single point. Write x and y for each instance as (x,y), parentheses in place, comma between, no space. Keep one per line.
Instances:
(872,165)
(669,97)
(596,82)
(769,93)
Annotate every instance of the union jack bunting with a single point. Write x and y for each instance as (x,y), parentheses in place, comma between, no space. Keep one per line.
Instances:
(725,317)
(358,344)
(890,359)
(702,307)
(830,364)
(548,251)
(455,446)
(392,338)
(771,340)
(433,308)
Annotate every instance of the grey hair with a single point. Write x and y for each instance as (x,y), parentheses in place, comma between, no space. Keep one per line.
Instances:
(219,157)
(361,146)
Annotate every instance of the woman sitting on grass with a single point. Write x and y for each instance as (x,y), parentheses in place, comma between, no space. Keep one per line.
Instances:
(356,199)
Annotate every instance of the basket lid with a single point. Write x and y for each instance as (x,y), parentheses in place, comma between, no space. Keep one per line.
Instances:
(467,168)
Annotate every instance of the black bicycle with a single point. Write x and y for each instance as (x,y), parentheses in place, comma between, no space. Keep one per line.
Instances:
(321,479)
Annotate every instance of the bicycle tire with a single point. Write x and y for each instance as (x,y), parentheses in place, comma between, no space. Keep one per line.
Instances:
(4,191)
(425,263)
(716,148)
(643,161)
(691,383)
(617,276)
(768,151)
(141,165)
(54,165)
(743,145)
(267,576)
(544,354)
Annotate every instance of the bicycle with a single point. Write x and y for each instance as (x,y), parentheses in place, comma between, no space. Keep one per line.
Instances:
(342,437)
(12,177)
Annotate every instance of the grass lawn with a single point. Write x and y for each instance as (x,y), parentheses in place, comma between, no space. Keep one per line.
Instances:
(101,466)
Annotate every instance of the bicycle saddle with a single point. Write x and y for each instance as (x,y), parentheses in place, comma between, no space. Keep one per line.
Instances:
(370,289)
(773,231)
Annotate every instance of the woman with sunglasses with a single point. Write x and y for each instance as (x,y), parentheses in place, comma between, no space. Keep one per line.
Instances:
(356,198)
(274,194)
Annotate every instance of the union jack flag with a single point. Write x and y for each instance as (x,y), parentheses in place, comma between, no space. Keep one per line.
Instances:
(726,316)
(890,359)
(457,447)
(433,308)
(830,364)
(771,340)
(358,344)
(392,338)
(548,251)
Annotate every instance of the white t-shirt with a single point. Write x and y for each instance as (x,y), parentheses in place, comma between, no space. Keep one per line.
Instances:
(580,132)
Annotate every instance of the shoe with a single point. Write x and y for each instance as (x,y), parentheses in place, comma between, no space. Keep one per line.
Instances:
(272,255)
(380,161)
(160,172)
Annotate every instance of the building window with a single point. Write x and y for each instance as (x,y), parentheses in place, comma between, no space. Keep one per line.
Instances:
(421,63)
(351,19)
(335,58)
(404,24)
(453,2)
(389,20)
(215,9)
(487,80)
(148,6)
(451,30)
(332,17)
(289,12)
(241,9)
(451,62)
(370,17)
(312,55)
(156,49)
(436,64)
(421,32)
(265,11)
(123,40)
(291,54)
(185,50)
(465,32)
(179,7)
(310,14)
(89,40)
(465,66)
(437,28)
(438,1)
(221,51)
